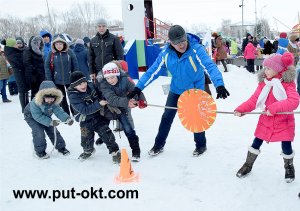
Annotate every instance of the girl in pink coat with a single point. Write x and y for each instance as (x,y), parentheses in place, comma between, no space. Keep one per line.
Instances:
(276,92)
(250,54)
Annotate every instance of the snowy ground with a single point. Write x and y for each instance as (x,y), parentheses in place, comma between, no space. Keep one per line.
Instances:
(173,180)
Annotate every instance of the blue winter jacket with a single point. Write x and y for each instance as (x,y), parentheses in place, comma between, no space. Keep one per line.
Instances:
(41,111)
(282,45)
(187,71)
(47,46)
(82,58)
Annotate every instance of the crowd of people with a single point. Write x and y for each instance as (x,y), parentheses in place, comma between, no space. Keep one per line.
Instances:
(89,83)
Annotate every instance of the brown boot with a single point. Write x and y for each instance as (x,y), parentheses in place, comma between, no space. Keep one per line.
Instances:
(247,167)
(289,167)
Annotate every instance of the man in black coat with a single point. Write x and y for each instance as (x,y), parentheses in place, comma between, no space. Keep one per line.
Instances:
(104,47)
(14,56)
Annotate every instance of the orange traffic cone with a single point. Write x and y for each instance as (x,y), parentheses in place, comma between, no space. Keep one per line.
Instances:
(126,172)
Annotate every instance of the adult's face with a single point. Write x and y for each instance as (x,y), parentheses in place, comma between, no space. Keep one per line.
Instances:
(102,29)
(180,47)
(46,39)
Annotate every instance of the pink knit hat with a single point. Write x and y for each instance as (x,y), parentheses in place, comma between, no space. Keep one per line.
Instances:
(278,62)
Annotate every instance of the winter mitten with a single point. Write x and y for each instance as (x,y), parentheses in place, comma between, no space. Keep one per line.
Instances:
(222,92)
(70,121)
(133,93)
(54,123)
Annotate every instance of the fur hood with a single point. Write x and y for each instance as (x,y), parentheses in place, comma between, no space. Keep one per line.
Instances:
(48,88)
(37,44)
(288,76)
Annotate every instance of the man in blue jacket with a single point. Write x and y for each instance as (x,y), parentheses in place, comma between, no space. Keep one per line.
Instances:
(186,60)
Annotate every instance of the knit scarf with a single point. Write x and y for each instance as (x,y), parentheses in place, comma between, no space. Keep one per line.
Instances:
(278,92)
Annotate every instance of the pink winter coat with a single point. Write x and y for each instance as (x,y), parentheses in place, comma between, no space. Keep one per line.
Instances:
(280,127)
(250,51)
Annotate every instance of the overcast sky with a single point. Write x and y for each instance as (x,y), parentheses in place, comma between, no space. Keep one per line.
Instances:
(184,12)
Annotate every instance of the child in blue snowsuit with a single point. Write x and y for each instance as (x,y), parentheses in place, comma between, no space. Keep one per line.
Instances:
(38,116)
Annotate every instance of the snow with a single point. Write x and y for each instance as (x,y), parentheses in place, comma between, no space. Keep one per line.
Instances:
(173,180)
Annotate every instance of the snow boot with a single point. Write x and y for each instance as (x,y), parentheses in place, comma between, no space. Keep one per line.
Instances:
(64,151)
(156,150)
(199,151)
(289,167)
(136,156)
(135,147)
(42,155)
(86,154)
(247,167)
(116,157)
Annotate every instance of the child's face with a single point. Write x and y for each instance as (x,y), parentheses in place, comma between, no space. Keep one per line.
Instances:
(270,73)
(59,46)
(112,80)
(81,87)
(49,100)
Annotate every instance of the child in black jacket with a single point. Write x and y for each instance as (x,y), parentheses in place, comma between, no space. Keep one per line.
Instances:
(86,100)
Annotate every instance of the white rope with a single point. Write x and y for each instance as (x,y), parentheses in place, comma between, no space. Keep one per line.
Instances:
(226,112)
(68,102)
(55,139)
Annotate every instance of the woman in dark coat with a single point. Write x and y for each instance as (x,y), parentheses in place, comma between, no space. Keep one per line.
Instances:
(82,58)
(14,56)
(34,64)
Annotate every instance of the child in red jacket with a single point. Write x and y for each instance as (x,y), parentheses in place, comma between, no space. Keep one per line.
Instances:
(276,92)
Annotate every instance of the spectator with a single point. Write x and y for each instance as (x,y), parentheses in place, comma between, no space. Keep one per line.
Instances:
(104,48)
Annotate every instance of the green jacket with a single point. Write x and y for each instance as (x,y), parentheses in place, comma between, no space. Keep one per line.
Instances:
(233,47)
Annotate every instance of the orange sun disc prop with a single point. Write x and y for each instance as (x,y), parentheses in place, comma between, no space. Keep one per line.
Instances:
(197,110)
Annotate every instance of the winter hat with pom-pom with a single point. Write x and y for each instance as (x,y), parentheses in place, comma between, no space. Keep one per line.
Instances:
(279,63)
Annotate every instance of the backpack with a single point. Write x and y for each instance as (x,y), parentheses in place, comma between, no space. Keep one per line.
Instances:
(51,62)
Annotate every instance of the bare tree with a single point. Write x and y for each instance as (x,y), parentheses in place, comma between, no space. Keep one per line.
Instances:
(198,28)
(79,21)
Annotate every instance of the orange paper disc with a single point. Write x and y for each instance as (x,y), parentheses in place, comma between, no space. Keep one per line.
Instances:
(197,110)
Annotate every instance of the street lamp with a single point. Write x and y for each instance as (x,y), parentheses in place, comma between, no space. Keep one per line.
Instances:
(261,22)
(255,28)
(242,6)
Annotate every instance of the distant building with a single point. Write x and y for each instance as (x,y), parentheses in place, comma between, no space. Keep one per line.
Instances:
(237,28)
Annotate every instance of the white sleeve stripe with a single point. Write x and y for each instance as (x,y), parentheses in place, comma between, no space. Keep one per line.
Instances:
(155,72)
(199,60)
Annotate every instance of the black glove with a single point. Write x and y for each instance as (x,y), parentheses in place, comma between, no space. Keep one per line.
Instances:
(222,92)
(133,93)
(54,123)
